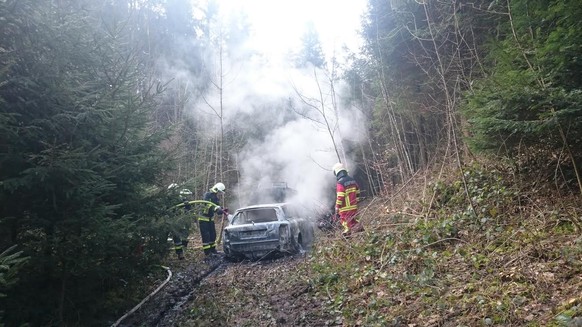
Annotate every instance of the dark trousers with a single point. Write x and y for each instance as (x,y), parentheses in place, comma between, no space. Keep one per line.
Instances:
(180,237)
(208,233)
(179,244)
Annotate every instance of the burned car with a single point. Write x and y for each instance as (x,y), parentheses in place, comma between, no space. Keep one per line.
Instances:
(263,230)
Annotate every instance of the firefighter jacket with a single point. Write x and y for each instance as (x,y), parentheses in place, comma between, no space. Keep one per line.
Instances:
(347,194)
(210,210)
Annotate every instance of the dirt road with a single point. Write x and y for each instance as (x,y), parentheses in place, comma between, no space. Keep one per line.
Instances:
(220,293)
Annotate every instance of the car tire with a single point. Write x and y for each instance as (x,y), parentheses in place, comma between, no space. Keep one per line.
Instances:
(307,240)
(299,244)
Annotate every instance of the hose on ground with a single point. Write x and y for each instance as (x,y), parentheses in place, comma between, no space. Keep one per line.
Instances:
(145,299)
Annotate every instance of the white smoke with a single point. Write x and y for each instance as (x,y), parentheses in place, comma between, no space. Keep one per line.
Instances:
(300,152)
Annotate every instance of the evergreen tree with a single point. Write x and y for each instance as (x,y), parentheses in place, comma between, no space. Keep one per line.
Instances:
(311,51)
(79,160)
(532,97)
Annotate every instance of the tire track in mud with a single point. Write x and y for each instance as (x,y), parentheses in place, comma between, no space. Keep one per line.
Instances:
(164,308)
(168,307)
(257,293)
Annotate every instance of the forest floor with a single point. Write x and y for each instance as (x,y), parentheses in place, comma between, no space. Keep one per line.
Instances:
(426,258)
(217,292)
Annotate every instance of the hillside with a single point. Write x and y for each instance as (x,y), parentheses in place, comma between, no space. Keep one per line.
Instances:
(517,264)
(112,113)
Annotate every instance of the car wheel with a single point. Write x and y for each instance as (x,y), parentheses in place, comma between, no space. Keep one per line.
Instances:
(307,240)
(299,244)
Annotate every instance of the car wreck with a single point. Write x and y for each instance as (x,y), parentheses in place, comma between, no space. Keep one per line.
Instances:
(264,230)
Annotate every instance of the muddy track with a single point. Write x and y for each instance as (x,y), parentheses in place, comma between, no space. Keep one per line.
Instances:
(274,293)
(165,307)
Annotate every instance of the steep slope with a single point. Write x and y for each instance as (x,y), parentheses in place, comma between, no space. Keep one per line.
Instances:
(511,257)
(427,257)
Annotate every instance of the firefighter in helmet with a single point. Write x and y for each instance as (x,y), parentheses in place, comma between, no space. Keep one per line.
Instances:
(206,219)
(347,196)
(181,227)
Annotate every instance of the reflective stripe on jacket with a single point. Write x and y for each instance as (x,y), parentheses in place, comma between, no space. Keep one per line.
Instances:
(347,193)
(209,210)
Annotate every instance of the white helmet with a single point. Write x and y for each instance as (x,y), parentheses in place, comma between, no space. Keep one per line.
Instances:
(185,191)
(185,194)
(338,167)
(218,187)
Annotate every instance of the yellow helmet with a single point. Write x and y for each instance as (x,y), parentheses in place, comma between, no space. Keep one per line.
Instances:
(338,167)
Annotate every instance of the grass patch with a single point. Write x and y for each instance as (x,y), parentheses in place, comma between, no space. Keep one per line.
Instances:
(511,262)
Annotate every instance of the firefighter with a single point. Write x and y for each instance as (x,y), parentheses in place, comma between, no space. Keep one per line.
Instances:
(347,196)
(181,228)
(206,219)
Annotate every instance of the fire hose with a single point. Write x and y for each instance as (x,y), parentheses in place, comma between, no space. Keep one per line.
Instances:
(219,236)
(145,299)
(134,309)
(196,201)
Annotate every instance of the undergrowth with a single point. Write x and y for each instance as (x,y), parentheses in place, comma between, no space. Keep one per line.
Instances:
(487,248)
(489,254)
